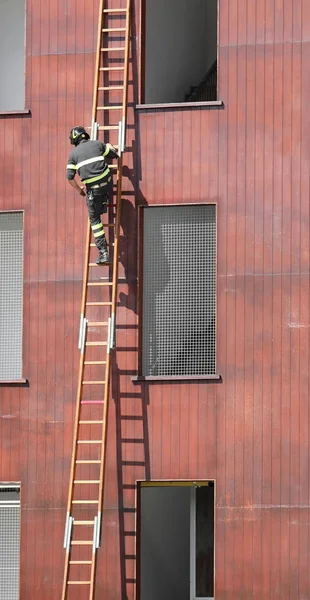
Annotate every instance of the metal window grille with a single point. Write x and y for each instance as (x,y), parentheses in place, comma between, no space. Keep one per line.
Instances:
(11,295)
(9,542)
(179,290)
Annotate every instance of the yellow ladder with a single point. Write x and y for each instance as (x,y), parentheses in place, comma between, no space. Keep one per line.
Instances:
(97,325)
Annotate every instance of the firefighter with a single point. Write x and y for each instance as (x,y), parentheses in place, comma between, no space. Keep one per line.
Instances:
(88,159)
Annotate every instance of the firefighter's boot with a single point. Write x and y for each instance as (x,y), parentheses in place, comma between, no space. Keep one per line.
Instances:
(103,258)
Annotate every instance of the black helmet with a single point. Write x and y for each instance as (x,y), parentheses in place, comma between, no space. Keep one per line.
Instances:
(77,134)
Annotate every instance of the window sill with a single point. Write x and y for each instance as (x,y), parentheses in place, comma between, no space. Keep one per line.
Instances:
(182,105)
(214,378)
(15,113)
(15,382)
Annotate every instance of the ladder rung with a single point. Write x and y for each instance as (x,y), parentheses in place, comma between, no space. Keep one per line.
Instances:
(96,343)
(86,481)
(90,422)
(109,108)
(79,582)
(80,562)
(97,323)
(120,68)
(84,501)
(100,283)
(88,462)
(82,543)
(92,382)
(114,10)
(95,362)
(110,88)
(89,441)
(83,522)
(108,224)
(112,49)
(114,29)
(106,128)
(98,303)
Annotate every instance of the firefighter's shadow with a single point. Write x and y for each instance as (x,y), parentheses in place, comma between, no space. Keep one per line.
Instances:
(128,255)
(132,247)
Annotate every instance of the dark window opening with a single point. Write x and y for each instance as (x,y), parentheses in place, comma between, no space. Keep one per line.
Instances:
(176,541)
(180,45)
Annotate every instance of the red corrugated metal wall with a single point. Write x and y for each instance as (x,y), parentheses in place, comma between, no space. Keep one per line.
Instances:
(251,432)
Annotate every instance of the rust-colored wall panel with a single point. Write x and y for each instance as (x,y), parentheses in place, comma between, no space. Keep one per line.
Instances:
(251,431)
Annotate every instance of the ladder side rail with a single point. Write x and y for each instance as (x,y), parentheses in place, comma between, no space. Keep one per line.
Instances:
(98,58)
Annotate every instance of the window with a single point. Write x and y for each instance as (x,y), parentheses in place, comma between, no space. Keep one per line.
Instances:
(12,55)
(11,295)
(180,45)
(9,540)
(176,540)
(178,290)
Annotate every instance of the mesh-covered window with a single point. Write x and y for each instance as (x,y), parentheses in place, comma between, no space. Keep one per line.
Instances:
(9,541)
(179,290)
(11,295)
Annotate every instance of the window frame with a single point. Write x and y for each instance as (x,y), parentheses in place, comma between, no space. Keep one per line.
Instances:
(142,67)
(213,378)
(21,380)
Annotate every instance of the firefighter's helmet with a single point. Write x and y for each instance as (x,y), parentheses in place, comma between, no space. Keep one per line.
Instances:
(77,134)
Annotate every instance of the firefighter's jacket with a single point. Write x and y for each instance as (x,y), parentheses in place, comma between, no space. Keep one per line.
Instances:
(88,160)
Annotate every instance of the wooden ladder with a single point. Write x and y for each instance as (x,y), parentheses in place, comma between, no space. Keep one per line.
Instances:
(97,325)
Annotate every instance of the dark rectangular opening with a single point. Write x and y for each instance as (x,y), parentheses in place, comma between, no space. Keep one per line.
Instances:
(179,51)
(176,541)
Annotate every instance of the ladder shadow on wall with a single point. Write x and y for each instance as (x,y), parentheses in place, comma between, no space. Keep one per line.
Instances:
(131,401)
(133,463)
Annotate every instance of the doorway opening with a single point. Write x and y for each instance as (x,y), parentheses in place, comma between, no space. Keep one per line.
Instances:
(176,540)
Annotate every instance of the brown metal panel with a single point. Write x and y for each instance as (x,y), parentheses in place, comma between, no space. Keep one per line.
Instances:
(251,431)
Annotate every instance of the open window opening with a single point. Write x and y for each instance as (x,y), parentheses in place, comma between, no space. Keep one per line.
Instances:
(176,540)
(180,51)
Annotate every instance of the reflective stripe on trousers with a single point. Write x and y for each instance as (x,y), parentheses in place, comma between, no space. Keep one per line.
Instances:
(95,206)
